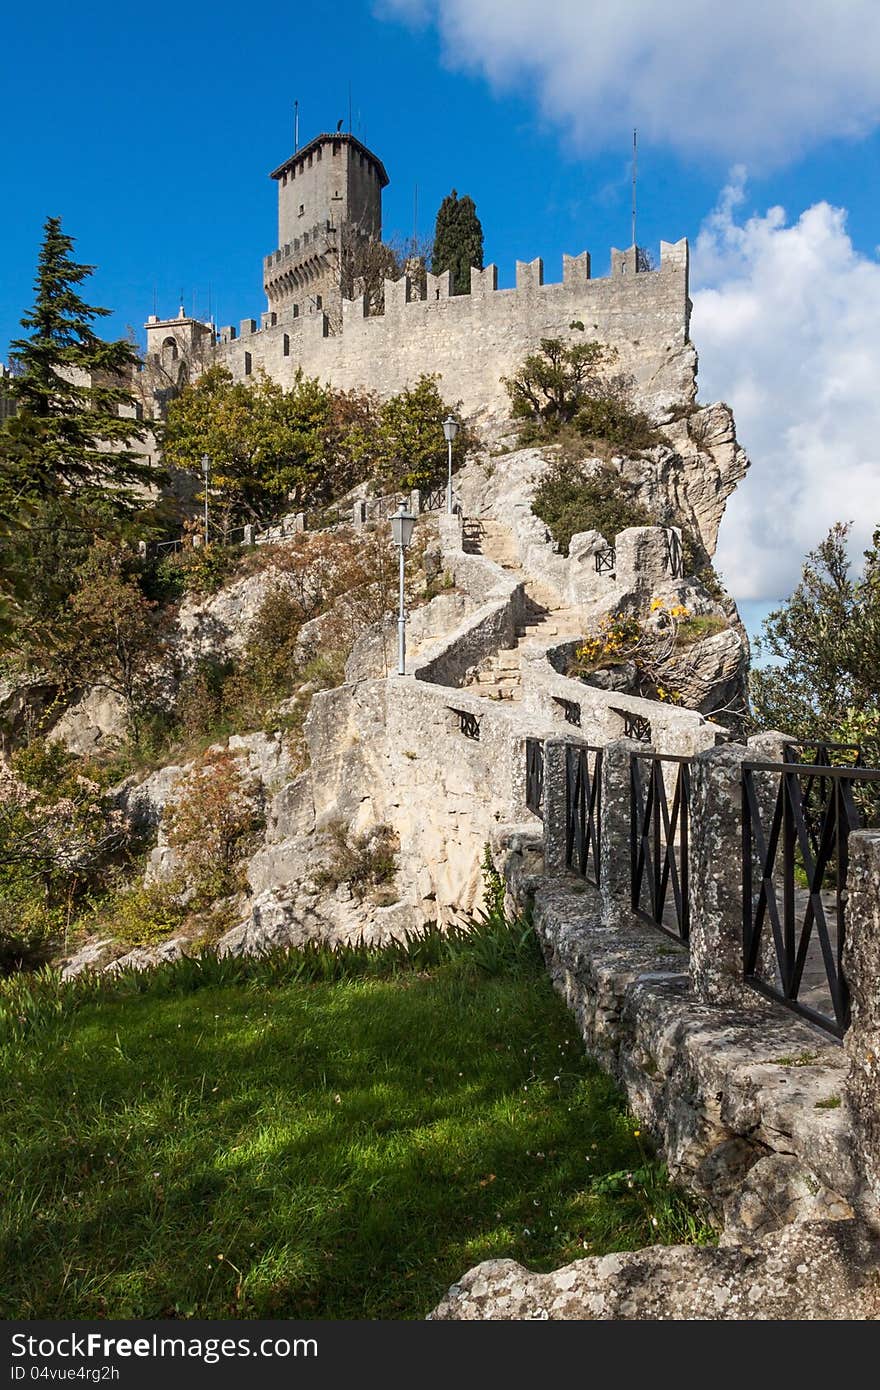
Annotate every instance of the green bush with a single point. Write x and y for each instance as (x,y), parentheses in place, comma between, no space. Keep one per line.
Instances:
(562,388)
(144,914)
(194,570)
(610,418)
(572,499)
(30,928)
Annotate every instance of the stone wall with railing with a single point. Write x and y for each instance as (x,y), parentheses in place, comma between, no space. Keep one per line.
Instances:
(713,924)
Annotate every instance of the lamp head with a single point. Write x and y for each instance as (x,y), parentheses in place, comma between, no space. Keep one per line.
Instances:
(450,428)
(402,527)
(206,464)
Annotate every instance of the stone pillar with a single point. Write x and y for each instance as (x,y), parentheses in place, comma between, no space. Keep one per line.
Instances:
(615,854)
(768,747)
(716,936)
(359,514)
(554,806)
(861,965)
(449,529)
(142,550)
(299,521)
(415,502)
(248,537)
(197,542)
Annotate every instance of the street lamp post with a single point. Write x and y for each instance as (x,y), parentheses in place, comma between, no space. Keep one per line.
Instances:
(450,430)
(206,464)
(402,526)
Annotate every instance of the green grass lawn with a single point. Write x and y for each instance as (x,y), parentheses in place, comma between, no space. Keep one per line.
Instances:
(297,1137)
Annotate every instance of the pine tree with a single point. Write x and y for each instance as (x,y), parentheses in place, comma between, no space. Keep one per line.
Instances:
(458,241)
(68,436)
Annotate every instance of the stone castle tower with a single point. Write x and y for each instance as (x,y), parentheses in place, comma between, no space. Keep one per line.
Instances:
(329,204)
(329,200)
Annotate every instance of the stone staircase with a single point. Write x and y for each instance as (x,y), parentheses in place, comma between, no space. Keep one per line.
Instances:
(491,539)
(500,676)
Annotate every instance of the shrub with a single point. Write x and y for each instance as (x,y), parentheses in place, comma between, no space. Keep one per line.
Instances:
(193,569)
(58,840)
(213,823)
(562,386)
(366,862)
(610,418)
(572,499)
(199,706)
(144,914)
(30,927)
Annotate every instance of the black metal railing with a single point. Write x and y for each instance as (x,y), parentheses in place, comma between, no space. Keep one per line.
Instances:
(435,500)
(606,560)
(795,855)
(660,841)
(635,726)
(535,776)
(674,554)
(570,709)
(824,754)
(817,787)
(583,809)
(468,723)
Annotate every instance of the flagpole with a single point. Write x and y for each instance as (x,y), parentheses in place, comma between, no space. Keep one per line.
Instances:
(635,159)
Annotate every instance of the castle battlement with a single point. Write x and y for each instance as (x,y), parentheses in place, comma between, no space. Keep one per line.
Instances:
(473,340)
(329,203)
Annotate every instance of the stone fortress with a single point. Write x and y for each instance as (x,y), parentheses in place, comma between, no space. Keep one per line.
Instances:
(329,200)
(772,1123)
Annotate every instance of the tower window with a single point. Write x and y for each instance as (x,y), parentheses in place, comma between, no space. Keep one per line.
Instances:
(319,303)
(248,364)
(286,345)
(296,311)
(302,208)
(318,153)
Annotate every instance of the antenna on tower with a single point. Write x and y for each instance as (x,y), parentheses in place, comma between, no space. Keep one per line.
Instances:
(349,106)
(635,167)
(295,126)
(415,240)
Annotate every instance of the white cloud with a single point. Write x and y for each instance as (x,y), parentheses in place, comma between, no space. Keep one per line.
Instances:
(753,80)
(785,322)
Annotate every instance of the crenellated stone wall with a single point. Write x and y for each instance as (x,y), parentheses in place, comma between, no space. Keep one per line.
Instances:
(473,340)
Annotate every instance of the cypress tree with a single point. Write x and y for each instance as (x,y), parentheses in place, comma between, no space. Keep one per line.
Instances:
(458,241)
(68,436)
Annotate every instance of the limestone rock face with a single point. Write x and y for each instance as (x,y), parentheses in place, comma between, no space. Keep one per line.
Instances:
(97,719)
(710,675)
(819,1270)
(299,914)
(217,627)
(22,703)
(777,1192)
(696,473)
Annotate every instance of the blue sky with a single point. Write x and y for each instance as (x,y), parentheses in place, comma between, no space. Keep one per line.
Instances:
(151,133)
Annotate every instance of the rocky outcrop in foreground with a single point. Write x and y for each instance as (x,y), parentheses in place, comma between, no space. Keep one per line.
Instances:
(821,1270)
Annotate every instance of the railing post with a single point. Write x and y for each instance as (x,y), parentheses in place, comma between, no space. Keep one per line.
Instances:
(861,965)
(716,876)
(248,537)
(615,876)
(555,806)
(415,501)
